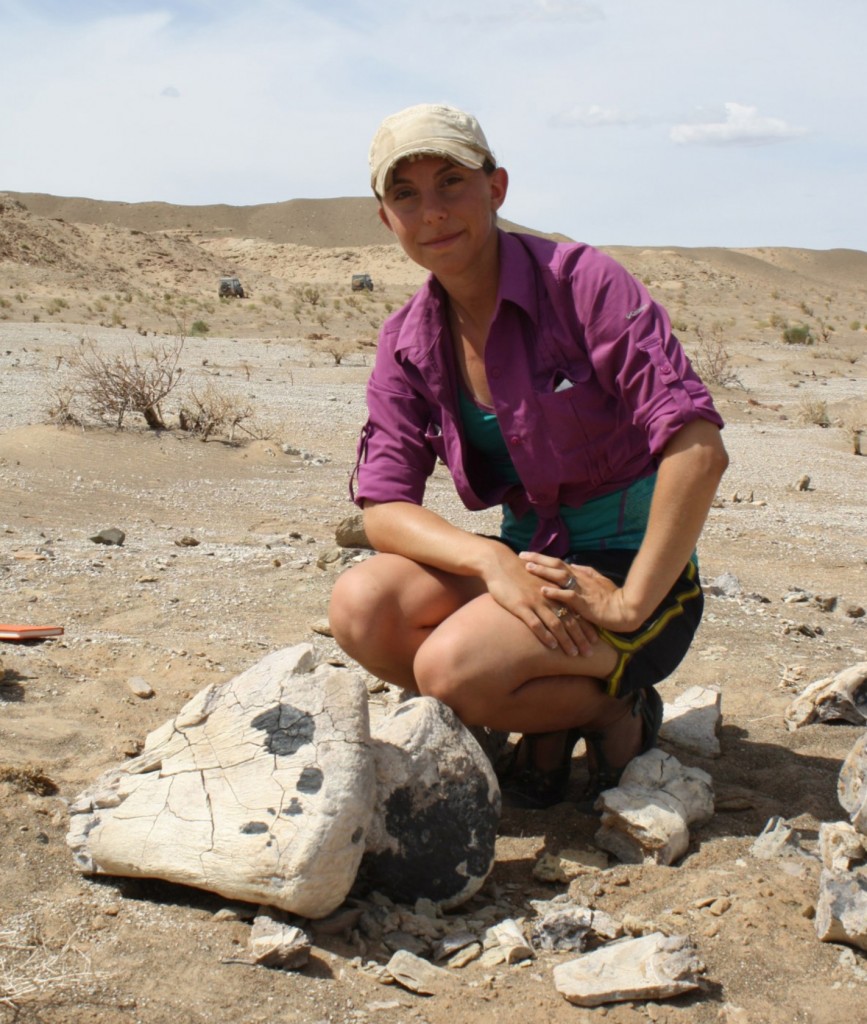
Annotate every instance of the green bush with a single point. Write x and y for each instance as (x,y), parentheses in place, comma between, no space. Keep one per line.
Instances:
(798,334)
(199,328)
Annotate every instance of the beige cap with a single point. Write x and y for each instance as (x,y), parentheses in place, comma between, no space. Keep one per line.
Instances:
(429,128)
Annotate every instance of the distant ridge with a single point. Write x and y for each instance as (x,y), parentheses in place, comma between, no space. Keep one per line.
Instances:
(329,223)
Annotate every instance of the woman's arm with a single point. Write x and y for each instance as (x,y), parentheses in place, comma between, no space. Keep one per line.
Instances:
(417,533)
(690,470)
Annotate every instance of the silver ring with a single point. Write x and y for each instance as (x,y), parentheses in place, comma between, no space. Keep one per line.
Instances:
(570,584)
(562,612)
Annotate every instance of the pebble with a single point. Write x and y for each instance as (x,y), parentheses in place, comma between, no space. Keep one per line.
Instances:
(140,687)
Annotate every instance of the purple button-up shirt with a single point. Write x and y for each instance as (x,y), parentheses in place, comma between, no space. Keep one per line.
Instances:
(588,383)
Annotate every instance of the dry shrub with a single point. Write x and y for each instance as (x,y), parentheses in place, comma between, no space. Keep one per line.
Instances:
(712,360)
(212,411)
(814,411)
(853,420)
(27,778)
(131,381)
(338,349)
(60,410)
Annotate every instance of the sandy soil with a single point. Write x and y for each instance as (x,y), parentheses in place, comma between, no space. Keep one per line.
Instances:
(264,510)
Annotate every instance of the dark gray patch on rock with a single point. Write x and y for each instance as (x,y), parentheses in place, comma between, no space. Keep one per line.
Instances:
(287,728)
(441,845)
(310,780)
(294,807)
(254,828)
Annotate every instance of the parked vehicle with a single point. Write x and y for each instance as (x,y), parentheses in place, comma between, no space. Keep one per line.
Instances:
(360,282)
(230,287)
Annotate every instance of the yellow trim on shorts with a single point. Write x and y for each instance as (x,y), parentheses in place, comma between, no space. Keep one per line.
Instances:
(627,647)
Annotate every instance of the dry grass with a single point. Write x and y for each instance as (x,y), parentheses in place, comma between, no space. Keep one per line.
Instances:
(30,970)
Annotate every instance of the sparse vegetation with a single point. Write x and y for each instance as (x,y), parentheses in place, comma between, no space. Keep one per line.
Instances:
(797,334)
(199,328)
(210,411)
(111,386)
(338,350)
(814,411)
(712,361)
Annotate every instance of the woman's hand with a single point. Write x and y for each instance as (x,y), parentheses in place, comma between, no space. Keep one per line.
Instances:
(547,611)
(589,595)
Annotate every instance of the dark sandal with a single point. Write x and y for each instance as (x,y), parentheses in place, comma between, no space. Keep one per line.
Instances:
(524,785)
(648,704)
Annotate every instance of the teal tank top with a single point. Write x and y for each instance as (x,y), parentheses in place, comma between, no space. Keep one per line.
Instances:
(616,520)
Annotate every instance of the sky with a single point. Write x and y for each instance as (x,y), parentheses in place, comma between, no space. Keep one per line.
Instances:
(740,123)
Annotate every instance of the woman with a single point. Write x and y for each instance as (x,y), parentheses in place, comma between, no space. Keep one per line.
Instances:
(548,381)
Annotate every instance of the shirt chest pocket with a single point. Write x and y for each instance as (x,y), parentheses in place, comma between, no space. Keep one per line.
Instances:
(572,418)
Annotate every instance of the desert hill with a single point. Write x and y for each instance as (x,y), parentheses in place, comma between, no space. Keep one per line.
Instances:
(351,221)
(147,265)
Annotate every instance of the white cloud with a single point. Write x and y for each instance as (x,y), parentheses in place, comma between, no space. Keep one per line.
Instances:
(743,125)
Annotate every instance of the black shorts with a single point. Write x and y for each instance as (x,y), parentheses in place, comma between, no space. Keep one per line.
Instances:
(654,650)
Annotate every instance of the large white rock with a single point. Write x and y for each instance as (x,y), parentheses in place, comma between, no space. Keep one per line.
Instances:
(261,789)
(437,808)
(654,966)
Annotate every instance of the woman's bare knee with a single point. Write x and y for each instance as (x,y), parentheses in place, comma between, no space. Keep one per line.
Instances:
(353,612)
(438,673)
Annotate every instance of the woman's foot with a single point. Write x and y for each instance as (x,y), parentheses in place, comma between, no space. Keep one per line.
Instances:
(537,773)
(609,751)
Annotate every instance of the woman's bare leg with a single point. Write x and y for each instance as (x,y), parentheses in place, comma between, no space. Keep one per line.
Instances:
(384,608)
(440,634)
(490,669)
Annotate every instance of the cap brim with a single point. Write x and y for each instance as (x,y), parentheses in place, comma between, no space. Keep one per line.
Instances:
(450,149)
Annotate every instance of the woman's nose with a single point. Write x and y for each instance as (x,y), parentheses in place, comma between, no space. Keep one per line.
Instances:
(433,208)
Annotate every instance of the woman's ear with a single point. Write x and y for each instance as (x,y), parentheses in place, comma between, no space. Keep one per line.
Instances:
(383,216)
(499,181)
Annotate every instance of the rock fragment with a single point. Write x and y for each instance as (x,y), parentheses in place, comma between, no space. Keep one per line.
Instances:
(574,928)
(852,785)
(692,721)
(510,939)
(777,839)
(350,532)
(275,942)
(112,536)
(648,816)
(140,687)
(841,913)
(654,966)
(841,697)
(416,974)
(841,846)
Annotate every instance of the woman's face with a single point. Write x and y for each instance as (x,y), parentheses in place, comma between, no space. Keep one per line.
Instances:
(443,215)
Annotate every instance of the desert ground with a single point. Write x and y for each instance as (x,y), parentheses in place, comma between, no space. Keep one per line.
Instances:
(230,553)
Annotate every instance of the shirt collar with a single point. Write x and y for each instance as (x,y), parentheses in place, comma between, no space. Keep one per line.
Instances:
(517,275)
(426,315)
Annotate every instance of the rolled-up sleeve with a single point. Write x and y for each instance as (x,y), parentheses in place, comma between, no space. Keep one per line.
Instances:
(636,356)
(395,453)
